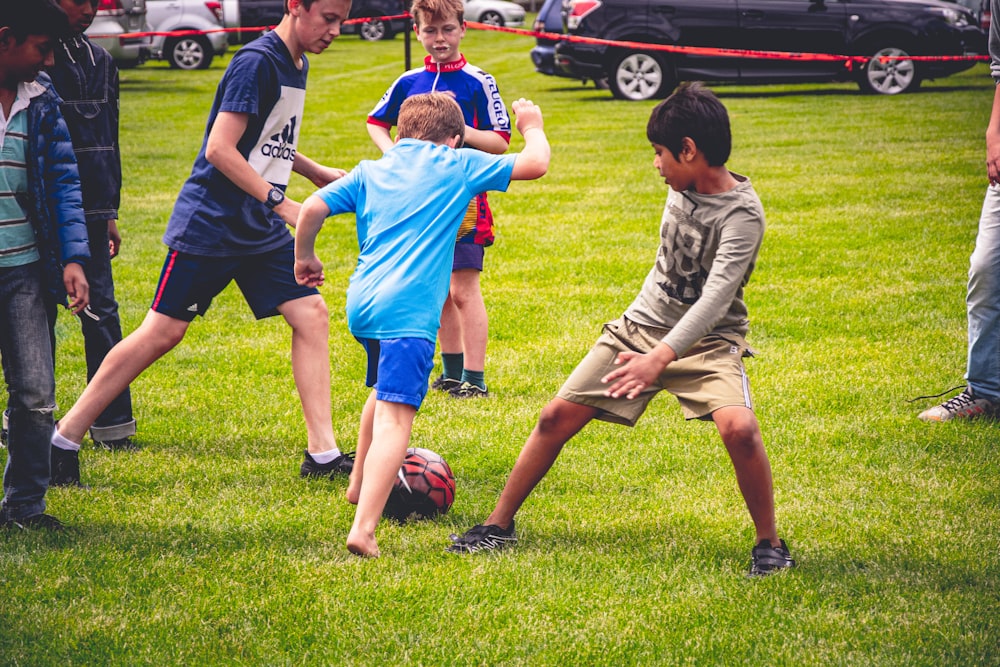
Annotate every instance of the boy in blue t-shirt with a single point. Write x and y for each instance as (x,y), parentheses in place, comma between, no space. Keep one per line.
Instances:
(230,223)
(409,205)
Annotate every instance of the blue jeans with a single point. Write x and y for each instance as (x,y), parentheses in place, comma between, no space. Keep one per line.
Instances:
(983,302)
(102,330)
(27,357)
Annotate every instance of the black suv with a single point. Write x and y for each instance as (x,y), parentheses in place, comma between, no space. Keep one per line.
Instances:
(885,31)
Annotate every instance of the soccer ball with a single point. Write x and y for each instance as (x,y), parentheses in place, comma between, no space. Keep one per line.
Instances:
(424,487)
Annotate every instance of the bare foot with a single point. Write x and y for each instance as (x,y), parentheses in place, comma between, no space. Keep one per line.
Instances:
(362,545)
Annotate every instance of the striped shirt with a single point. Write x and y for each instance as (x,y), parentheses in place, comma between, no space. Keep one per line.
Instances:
(17,237)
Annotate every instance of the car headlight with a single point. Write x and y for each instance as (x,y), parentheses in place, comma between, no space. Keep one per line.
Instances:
(953,17)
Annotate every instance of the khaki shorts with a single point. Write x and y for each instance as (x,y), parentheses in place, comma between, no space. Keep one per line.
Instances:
(709,376)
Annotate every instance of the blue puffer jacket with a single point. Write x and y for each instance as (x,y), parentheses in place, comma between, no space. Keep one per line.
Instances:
(55,205)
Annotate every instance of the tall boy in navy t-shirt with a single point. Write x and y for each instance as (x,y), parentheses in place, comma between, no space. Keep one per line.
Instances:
(229,223)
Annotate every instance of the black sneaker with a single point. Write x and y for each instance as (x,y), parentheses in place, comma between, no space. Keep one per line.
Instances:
(3,429)
(765,559)
(445,384)
(469,390)
(343,464)
(483,538)
(39,521)
(123,444)
(65,468)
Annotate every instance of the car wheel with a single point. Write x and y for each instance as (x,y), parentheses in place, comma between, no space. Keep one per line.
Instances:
(640,75)
(889,72)
(374,30)
(193,52)
(492,18)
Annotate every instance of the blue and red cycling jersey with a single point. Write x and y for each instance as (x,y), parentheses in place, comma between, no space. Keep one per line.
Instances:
(479,97)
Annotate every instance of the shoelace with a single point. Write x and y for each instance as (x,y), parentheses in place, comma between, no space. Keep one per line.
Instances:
(963,400)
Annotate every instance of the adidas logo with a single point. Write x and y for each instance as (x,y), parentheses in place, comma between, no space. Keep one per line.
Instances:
(280,149)
(287,134)
(193,308)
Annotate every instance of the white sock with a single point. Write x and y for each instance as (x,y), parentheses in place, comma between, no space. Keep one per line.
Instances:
(322,457)
(63,443)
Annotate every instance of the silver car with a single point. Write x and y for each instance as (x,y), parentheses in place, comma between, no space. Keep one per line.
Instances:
(187,51)
(121,17)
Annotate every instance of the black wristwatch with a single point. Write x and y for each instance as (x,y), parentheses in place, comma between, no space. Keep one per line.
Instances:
(274,197)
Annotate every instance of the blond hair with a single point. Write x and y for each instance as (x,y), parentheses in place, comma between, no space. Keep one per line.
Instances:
(425,10)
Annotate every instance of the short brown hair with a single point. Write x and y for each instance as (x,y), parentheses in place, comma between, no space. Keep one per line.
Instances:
(434,117)
(424,10)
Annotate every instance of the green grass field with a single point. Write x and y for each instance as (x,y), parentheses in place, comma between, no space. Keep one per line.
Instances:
(205,547)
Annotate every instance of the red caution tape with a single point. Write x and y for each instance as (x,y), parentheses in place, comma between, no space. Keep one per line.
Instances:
(187,33)
(718,52)
(849,61)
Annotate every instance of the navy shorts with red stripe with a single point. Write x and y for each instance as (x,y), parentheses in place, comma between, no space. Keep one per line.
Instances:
(188,283)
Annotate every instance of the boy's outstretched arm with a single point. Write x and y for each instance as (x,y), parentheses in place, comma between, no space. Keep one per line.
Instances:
(533,160)
(487,141)
(308,268)
(320,175)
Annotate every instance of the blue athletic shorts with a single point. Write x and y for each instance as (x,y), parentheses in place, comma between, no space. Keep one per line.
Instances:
(188,283)
(468,256)
(399,368)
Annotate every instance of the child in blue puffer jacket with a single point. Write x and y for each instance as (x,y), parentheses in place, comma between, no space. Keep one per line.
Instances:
(43,248)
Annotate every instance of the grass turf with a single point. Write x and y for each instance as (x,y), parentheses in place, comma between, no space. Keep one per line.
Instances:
(205,547)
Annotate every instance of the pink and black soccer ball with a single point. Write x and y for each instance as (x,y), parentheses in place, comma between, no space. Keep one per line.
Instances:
(424,487)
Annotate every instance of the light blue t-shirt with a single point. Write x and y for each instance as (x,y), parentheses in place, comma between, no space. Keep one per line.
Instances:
(409,205)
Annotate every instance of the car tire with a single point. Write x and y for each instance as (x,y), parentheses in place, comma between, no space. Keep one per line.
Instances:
(374,30)
(640,75)
(889,71)
(492,18)
(190,52)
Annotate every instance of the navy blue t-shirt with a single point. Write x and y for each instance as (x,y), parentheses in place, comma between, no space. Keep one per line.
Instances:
(212,216)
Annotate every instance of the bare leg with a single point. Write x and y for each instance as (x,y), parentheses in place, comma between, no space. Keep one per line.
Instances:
(450,331)
(310,324)
(473,323)
(741,434)
(157,335)
(392,425)
(364,442)
(559,421)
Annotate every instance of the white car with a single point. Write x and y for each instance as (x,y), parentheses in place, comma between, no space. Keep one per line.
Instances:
(121,17)
(187,51)
(495,12)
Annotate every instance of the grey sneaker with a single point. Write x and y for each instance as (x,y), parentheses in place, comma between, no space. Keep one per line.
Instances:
(963,406)
(445,384)
(765,559)
(343,464)
(483,538)
(468,390)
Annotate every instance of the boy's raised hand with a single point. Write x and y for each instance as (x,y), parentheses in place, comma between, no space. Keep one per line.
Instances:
(529,115)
